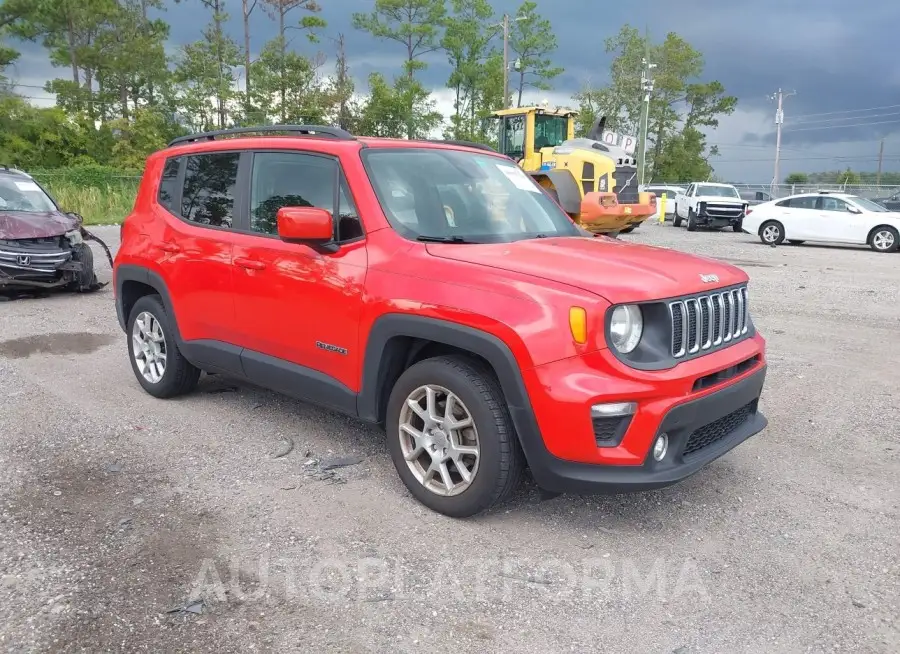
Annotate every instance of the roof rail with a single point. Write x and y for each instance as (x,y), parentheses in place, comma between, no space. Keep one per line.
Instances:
(299,130)
(466,144)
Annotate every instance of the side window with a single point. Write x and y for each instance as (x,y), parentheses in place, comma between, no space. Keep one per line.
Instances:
(168,185)
(806,202)
(784,203)
(209,184)
(347,222)
(834,204)
(514,137)
(288,179)
(291,179)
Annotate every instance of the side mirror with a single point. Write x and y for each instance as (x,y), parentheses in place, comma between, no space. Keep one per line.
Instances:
(853,209)
(309,225)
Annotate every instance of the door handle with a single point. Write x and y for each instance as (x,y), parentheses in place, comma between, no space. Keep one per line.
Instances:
(169,247)
(250,264)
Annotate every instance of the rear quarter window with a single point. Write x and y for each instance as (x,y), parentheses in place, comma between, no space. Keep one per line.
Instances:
(168,185)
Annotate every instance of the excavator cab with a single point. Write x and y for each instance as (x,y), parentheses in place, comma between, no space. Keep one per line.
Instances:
(594,182)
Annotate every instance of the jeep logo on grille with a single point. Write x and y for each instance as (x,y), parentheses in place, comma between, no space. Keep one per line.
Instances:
(709,279)
(23,260)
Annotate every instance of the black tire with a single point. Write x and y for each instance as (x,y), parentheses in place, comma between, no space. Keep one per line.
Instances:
(738,226)
(691,221)
(180,376)
(777,237)
(796,242)
(628,230)
(501,461)
(881,235)
(85,280)
(676,219)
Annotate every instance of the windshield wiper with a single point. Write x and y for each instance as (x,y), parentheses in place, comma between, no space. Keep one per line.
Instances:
(442,239)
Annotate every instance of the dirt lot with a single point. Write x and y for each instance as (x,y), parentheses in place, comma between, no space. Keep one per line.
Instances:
(116,508)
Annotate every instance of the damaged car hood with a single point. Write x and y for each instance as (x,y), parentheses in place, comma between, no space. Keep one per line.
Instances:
(15,225)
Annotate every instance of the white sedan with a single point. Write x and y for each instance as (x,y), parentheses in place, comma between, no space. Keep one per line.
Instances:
(827,217)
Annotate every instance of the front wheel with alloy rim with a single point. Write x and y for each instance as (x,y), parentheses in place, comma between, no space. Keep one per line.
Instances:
(884,239)
(771,232)
(157,362)
(451,437)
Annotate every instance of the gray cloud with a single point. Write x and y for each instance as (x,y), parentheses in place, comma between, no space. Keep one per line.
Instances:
(838,57)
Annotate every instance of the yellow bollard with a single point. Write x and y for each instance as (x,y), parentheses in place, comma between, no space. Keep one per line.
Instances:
(662,208)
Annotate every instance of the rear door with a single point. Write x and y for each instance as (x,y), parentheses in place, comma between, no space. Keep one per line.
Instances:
(200,199)
(800,218)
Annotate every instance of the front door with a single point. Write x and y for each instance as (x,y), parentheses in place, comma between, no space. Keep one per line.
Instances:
(838,223)
(299,307)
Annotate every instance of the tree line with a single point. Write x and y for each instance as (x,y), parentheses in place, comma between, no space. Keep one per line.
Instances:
(120,95)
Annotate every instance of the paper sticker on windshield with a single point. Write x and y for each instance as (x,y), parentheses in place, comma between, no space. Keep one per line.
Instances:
(519,178)
(27,186)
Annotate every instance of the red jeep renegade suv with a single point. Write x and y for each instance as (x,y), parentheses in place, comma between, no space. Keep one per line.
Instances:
(434,288)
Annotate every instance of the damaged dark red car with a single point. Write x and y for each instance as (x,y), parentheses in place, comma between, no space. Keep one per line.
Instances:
(42,247)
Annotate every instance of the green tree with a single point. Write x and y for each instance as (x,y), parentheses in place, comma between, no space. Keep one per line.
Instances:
(386,111)
(797,178)
(533,42)
(416,25)
(467,41)
(345,111)
(281,67)
(849,177)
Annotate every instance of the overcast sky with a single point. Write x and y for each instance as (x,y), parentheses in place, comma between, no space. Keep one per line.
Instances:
(838,57)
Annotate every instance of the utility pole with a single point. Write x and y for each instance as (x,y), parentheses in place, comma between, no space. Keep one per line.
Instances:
(880,162)
(505,61)
(779,121)
(647,87)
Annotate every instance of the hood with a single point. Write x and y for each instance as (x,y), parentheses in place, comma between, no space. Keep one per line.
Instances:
(16,225)
(616,270)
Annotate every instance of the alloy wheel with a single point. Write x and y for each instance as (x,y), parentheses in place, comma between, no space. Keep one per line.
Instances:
(883,240)
(439,440)
(148,347)
(771,234)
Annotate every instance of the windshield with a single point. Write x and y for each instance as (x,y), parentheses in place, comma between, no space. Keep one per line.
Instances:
(549,131)
(22,194)
(717,191)
(868,205)
(432,194)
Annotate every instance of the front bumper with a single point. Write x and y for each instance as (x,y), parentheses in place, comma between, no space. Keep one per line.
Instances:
(701,427)
(36,264)
(713,217)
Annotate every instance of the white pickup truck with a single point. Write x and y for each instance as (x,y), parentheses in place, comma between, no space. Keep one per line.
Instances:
(708,204)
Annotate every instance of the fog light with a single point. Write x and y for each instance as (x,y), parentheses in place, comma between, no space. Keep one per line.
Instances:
(660,447)
(613,410)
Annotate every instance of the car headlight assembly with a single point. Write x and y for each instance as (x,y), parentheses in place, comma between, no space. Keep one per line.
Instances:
(626,327)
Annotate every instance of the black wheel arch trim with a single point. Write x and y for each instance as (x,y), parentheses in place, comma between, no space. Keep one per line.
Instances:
(131,273)
(380,356)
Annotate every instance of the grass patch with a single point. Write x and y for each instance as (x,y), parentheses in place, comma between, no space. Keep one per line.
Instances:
(102,196)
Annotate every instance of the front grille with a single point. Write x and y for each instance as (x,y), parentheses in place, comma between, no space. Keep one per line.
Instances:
(626,188)
(39,256)
(718,429)
(723,210)
(707,322)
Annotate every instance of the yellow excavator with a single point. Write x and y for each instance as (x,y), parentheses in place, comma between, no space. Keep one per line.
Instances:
(594,182)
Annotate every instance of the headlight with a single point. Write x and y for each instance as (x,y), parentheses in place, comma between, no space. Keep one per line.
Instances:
(626,327)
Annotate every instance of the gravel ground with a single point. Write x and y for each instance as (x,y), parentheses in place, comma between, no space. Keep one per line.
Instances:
(117,510)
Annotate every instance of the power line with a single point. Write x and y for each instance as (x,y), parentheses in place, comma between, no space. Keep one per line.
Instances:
(877,122)
(832,120)
(848,111)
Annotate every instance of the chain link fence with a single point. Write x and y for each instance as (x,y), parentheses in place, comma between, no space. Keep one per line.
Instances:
(870,191)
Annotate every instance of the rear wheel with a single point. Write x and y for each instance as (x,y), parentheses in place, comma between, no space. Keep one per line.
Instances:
(451,437)
(771,232)
(157,362)
(884,239)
